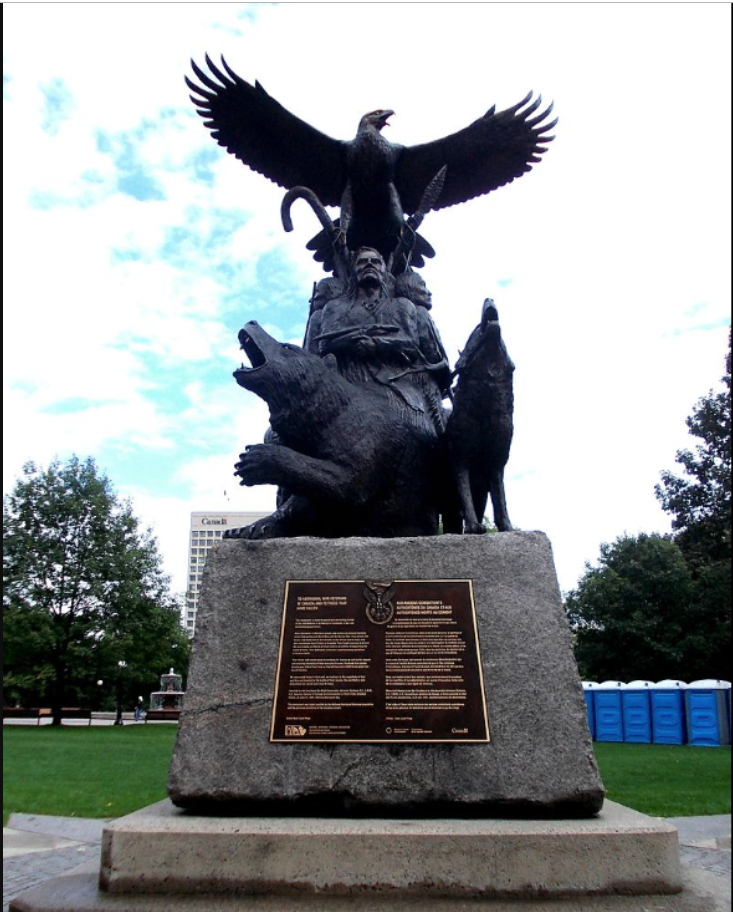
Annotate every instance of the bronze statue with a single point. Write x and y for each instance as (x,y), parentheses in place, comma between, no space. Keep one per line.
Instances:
(370,435)
(375,183)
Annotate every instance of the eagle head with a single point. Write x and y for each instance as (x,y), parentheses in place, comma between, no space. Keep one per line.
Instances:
(375,120)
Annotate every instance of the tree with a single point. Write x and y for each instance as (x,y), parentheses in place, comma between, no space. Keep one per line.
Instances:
(631,615)
(700,505)
(83,589)
(700,500)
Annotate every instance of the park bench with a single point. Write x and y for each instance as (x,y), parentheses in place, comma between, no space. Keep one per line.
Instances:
(74,712)
(67,712)
(162,715)
(21,712)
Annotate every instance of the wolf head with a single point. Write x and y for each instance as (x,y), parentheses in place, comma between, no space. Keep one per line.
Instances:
(485,350)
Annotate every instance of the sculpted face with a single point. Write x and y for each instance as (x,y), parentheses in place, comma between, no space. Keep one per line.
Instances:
(420,293)
(369,267)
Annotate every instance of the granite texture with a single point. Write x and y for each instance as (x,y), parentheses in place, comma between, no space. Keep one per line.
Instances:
(540,759)
(162,849)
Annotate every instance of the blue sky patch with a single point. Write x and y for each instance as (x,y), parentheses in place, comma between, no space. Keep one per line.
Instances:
(141,186)
(124,149)
(200,165)
(131,466)
(75,404)
(202,246)
(58,105)
(125,255)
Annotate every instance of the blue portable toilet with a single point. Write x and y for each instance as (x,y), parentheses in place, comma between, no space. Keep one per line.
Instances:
(668,712)
(706,709)
(589,688)
(637,712)
(609,711)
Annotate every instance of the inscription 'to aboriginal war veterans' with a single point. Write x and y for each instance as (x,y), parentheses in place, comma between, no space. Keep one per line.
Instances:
(372,432)
(379,662)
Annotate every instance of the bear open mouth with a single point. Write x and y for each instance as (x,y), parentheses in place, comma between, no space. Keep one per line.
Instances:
(252,351)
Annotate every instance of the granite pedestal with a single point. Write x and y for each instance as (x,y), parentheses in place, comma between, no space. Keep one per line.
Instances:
(539,761)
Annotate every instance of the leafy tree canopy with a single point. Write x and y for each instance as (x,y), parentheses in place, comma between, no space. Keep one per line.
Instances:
(83,591)
(699,501)
(660,606)
(630,613)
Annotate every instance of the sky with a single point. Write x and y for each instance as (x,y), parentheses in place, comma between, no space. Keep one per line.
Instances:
(135,247)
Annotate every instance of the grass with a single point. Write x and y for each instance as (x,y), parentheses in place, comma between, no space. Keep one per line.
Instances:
(81,771)
(108,771)
(667,781)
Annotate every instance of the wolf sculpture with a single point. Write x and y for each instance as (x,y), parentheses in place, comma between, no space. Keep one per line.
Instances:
(481,426)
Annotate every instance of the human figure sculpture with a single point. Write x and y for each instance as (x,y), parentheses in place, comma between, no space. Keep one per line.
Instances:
(377,337)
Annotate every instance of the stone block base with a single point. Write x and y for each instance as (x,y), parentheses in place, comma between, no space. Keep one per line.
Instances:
(539,762)
(164,850)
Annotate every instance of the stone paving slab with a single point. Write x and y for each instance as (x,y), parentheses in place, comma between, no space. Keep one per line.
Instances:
(23,872)
(38,847)
(81,829)
(78,892)
(706,832)
(16,842)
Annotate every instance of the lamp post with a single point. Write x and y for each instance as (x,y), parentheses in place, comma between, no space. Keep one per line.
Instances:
(121,665)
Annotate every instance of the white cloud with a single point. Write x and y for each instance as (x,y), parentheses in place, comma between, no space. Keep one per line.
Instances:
(609,262)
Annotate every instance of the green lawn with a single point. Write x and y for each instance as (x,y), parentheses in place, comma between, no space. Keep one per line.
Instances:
(667,781)
(113,770)
(82,771)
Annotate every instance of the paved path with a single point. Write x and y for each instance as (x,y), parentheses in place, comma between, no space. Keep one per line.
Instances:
(36,848)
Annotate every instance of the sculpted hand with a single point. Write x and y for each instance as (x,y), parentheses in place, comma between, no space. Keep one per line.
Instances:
(366,345)
(255,464)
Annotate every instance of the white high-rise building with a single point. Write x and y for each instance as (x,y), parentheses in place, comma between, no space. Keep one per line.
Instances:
(206,532)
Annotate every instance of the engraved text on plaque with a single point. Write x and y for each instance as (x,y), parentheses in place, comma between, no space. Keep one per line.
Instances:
(379,661)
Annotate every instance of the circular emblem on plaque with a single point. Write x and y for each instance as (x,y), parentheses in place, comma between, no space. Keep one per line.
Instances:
(379,595)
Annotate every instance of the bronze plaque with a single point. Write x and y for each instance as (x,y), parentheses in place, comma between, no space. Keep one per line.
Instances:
(372,661)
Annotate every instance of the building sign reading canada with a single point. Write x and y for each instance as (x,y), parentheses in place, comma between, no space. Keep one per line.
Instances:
(379,660)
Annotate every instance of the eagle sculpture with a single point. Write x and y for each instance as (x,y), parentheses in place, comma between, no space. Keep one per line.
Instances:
(375,183)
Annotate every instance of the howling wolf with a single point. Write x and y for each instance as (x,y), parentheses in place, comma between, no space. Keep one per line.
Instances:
(481,426)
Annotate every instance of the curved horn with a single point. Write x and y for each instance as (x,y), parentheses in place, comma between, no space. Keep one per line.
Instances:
(336,237)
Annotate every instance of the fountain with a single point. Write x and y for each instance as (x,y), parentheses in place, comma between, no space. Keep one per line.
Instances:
(169,699)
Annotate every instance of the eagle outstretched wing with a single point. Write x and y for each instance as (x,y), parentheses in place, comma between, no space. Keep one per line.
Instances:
(490,152)
(260,132)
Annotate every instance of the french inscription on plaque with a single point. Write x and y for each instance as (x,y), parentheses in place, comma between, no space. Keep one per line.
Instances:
(379,661)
